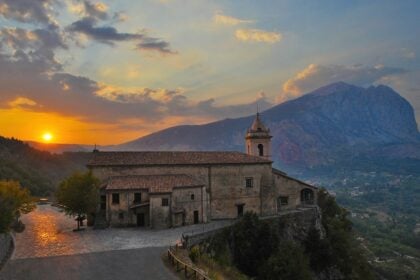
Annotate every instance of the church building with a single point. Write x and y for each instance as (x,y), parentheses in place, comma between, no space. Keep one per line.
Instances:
(161,189)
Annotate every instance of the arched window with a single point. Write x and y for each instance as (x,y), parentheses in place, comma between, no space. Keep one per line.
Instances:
(261,150)
(307,196)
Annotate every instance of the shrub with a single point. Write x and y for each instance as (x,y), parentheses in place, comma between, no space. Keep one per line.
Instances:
(194,253)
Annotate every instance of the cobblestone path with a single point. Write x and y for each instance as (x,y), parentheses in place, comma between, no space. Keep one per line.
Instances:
(50,233)
(49,249)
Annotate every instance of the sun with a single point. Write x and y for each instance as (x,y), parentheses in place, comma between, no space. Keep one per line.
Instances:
(47,137)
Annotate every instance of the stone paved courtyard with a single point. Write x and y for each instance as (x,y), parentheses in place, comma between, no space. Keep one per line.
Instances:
(49,249)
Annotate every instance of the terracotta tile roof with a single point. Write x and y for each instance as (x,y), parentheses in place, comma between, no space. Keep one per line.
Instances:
(153,183)
(171,158)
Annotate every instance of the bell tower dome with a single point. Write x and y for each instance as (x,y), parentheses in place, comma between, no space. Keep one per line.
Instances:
(258,139)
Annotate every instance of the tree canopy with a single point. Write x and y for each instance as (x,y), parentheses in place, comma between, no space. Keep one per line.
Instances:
(14,200)
(79,195)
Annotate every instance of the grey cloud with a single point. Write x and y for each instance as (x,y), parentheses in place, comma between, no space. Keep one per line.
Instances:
(156,45)
(94,11)
(36,11)
(105,34)
(109,35)
(30,74)
(82,97)
(36,46)
(231,111)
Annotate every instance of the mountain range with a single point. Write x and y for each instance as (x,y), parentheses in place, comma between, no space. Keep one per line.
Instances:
(338,124)
(319,128)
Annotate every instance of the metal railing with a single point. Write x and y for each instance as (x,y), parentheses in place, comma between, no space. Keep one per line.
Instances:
(189,270)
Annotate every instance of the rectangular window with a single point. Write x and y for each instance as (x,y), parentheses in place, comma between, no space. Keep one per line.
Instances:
(137,197)
(165,202)
(249,182)
(115,198)
(284,200)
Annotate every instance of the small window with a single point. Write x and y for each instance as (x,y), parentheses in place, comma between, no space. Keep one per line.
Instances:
(192,196)
(115,198)
(165,202)
(284,200)
(137,197)
(121,216)
(249,182)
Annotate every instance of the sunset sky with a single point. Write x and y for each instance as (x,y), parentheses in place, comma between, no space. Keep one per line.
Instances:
(111,71)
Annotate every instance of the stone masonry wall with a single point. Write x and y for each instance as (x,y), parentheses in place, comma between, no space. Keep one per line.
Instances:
(160,215)
(188,200)
(229,190)
(126,201)
(225,184)
(286,187)
(294,225)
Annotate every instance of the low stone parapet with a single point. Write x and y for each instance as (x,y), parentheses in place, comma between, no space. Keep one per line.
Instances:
(191,238)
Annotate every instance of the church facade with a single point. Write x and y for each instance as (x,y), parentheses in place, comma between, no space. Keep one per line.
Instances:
(169,189)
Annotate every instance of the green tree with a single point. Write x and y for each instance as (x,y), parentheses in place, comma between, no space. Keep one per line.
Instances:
(14,201)
(319,251)
(79,195)
(288,262)
(345,251)
(254,242)
(245,244)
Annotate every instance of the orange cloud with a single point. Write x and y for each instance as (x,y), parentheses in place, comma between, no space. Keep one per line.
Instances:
(221,19)
(257,35)
(315,76)
(21,102)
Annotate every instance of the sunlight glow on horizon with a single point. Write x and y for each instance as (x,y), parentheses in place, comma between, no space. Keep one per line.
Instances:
(47,137)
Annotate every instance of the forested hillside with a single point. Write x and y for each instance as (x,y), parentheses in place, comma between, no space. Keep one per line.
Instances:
(263,249)
(38,171)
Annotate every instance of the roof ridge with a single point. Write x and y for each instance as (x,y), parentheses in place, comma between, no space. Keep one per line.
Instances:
(149,175)
(140,158)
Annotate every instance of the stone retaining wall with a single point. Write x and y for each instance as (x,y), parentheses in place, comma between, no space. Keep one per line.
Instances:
(294,225)
(6,248)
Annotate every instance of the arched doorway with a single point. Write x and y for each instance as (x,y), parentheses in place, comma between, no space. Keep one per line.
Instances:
(307,196)
(261,150)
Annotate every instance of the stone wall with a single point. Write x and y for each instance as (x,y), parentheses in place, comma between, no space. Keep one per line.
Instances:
(293,225)
(160,216)
(186,201)
(129,217)
(225,184)
(6,248)
(228,189)
(284,186)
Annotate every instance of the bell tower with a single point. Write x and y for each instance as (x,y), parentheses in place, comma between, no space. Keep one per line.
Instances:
(258,139)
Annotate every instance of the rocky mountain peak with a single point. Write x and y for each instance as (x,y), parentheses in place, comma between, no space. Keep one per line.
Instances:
(333,121)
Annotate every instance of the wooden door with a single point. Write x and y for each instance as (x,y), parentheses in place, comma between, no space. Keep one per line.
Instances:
(196,220)
(140,219)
